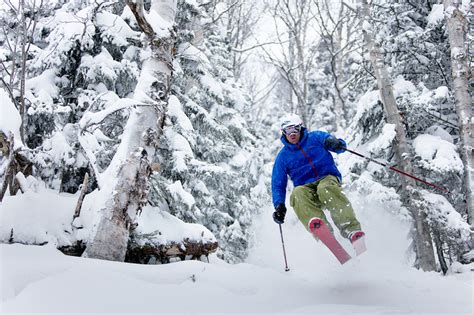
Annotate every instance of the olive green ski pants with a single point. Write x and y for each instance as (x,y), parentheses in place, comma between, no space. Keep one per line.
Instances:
(309,200)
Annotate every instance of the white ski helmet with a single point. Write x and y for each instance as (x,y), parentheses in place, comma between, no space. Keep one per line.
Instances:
(290,120)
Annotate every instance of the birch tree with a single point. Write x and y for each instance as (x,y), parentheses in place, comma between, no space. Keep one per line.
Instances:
(296,57)
(18,29)
(131,166)
(241,23)
(457,27)
(422,236)
(336,26)
(18,35)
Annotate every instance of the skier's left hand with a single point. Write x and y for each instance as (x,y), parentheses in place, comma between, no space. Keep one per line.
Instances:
(336,145)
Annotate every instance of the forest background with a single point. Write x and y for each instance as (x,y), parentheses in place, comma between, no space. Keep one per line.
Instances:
(160,119)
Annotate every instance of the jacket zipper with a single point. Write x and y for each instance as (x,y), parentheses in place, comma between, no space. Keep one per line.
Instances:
(309,160)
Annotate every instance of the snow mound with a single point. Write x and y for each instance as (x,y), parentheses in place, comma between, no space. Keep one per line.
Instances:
(10,119)
(168,229)
(37,218)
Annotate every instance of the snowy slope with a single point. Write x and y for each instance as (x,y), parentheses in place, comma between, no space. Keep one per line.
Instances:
(42,280)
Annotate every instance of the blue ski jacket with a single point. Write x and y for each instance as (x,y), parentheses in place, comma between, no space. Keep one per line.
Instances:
(305,162)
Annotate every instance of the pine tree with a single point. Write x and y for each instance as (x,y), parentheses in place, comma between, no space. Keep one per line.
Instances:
(208,155)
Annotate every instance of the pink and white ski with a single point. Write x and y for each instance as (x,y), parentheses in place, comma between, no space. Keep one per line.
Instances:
(321,231)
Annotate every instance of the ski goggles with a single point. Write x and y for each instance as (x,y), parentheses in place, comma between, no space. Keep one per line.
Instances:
(292,129)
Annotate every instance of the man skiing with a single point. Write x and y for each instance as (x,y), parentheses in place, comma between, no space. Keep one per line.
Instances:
(305,157)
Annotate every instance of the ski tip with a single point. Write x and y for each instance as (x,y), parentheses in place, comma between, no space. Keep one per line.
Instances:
(344,260)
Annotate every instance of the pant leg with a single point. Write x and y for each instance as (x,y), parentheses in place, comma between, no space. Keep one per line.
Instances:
(332,198)
(305,202)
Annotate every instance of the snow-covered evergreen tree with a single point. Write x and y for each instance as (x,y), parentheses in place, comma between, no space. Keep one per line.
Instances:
(210,166)
(81,79)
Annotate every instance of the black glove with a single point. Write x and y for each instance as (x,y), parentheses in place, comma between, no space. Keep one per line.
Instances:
(279,214)
(336,145)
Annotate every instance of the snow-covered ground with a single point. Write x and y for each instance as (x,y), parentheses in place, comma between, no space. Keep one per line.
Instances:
(40,279)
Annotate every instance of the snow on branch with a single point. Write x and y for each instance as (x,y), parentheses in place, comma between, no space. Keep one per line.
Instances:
(90,118)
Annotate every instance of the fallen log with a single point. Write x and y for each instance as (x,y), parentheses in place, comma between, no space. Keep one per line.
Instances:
(148,252)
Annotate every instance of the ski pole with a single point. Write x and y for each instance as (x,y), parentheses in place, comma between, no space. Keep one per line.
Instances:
(284,252)
(401,172)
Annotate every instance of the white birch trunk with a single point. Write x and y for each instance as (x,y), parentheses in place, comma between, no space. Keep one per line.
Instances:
(338,100)
(422,236)
(303,78)
(24,39)
(128,173)
(457,26)
(337,65)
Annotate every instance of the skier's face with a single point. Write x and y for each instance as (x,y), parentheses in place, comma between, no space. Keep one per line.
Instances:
(293,137)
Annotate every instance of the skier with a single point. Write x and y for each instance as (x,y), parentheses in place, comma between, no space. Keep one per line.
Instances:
(305,157)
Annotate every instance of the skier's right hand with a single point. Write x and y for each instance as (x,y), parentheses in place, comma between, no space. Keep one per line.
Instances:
(279,214)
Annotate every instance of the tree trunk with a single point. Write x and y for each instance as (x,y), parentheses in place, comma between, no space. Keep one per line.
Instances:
(16,162)
(77,211)
(303,78)
(131,165)
(457,26)
(439,251)
(422,237)
(24,39)
(337,65)
(295,17)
